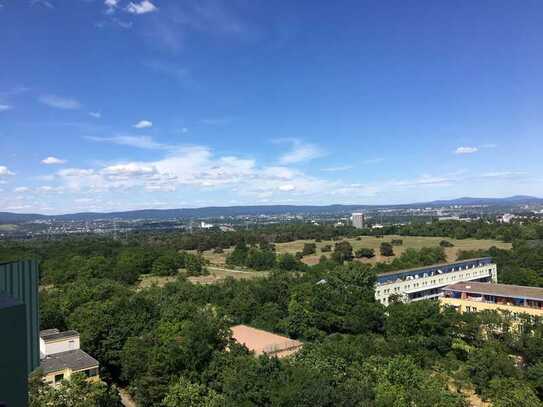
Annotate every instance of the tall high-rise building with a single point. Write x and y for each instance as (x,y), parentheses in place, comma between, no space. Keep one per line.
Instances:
(19,280)
(358,220)
(13,352)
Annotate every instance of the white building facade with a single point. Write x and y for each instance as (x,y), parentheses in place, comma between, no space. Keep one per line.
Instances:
(358,220)
(427,282)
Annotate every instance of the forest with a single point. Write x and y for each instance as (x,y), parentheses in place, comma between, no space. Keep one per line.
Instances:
(171,346)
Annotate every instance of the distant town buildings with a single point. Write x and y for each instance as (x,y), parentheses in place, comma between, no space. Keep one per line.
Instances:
(61,357)
(358,220)
(427,282)
(263,342)
(476,296)
(506,218)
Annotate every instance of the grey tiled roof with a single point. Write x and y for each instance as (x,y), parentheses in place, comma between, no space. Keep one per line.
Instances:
(499,290)
(74,359)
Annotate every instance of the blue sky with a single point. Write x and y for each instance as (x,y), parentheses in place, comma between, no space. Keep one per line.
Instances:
(115,104)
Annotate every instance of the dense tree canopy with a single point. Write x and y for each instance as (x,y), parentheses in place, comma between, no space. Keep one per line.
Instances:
(171,346)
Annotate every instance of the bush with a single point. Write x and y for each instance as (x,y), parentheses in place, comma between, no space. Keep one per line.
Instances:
(288,262)
(446,243)
(364,252)
(396,242)
(343,251)
(386,249)
(326,248)
(309,248)
(260,259)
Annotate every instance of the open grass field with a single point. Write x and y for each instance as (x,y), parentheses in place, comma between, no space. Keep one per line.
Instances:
(415,242)
(8,227)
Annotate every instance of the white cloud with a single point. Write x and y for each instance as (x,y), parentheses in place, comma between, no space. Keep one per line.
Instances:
(143,124)
(52,160)
(144,142)
(60,102)
(4,108)
(129,169)
(287,188)
(299,152)
(4,171)
(96,115)
(466,150)
(49,189)
(338,168)
(21,189)
(111,5)
(43,3)
(142,7)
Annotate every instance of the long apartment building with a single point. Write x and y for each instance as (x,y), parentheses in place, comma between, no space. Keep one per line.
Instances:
(474,296)
(427,282)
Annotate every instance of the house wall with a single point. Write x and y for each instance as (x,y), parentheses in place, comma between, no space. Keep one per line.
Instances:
(61,345)
(49,378)
(465,305)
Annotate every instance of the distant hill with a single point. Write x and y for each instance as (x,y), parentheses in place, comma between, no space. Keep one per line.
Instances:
(217,211)
(509,201)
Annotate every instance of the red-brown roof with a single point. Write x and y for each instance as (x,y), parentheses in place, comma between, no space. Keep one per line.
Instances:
(259,341)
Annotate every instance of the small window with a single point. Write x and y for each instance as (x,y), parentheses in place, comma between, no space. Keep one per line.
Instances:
(91,372)
(59,377)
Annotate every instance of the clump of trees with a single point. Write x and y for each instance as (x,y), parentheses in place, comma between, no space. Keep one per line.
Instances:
(343,251)
(364,252)
(170,263)
(263,258)
(309,248)
(326,248)
(386,249)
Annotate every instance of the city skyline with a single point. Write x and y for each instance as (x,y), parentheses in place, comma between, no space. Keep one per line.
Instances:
(119,105)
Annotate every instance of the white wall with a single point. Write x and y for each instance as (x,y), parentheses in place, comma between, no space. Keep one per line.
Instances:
(50,348)
(382,292)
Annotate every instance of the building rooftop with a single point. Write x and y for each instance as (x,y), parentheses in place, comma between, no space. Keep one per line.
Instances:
(499,290)
(259,341)
(55,334)
(73,359)
(440,268)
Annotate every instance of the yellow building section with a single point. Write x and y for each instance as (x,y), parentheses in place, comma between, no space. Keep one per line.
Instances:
(55,378)
(463,305)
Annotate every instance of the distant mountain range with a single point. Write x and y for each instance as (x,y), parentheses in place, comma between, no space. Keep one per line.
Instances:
(217,211)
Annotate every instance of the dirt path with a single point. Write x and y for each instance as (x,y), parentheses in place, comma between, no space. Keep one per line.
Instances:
(126,399)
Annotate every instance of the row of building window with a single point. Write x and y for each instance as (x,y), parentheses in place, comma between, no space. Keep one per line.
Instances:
(425,283)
